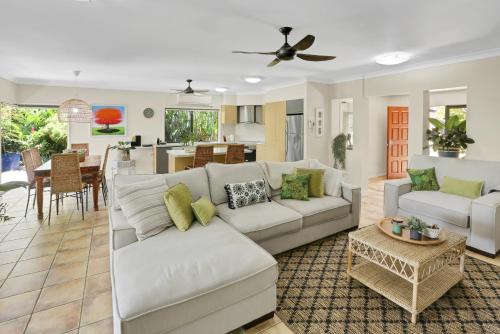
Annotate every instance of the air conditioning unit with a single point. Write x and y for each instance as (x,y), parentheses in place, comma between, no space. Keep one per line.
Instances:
(194,100)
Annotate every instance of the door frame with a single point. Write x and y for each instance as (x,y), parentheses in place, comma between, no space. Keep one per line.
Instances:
(402,174)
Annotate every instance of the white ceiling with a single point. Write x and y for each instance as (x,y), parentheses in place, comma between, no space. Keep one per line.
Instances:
(157,44)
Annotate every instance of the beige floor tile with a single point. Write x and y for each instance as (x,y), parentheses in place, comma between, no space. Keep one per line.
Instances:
(32,266)
(97,284)
(17,285)
(96,308)
(263,325)
(46,229)
(9,257)
(98,265)
(56,320)
(66,273)
(18,305)
(23,225)
(5,270)
(39,251)
(6,246)
(14,235)
(72,235)
(277,329)
(60,294)
(101,229)
(82,242)
(15,326)
(102,327)
(100,240)
(70,256)
(78,224)
(47,239)
(99,251)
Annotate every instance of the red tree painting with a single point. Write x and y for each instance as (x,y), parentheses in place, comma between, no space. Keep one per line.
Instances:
(107,117)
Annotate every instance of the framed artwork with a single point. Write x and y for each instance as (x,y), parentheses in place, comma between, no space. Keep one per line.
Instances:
(109,120)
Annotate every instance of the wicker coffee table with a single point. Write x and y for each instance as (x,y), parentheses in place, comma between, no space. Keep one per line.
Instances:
(411,276)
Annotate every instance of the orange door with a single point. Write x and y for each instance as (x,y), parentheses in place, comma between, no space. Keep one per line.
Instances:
(397,142)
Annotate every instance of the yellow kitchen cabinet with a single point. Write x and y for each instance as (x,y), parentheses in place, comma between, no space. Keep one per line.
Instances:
(273,148)
(228,114)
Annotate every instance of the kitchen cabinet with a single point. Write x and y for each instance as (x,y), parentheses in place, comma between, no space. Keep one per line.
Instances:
(273,148)
(228,114)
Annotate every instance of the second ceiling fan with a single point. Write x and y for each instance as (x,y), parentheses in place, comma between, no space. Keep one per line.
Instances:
(287,52)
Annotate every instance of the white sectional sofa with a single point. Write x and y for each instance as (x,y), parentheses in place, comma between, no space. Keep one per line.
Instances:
(220,277)
(478,219)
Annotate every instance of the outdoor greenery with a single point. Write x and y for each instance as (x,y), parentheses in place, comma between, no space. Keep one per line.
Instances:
(22,128)
(339,146)
(189,125)
(450,135)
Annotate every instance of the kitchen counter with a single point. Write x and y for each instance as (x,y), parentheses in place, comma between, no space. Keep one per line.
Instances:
(183,153)
(179,159)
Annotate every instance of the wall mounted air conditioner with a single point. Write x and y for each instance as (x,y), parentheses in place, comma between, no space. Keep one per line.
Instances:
(194,100)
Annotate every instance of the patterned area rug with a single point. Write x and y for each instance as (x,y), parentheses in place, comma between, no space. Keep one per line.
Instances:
(315,297)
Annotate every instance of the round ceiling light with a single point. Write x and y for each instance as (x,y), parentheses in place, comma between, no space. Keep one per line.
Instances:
(392,58)
(253,80)
(221,89)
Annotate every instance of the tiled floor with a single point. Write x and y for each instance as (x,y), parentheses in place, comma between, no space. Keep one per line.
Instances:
(55,279)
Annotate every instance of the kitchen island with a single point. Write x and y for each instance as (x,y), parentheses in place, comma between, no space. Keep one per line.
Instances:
(179,159)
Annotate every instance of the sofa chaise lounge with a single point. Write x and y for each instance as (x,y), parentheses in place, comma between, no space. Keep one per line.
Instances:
(214,278)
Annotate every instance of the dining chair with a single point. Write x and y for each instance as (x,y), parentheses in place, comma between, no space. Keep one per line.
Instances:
(235,154)
(65,177)
(202,155)
(81,146)
(37,158)
(101,177)
(30,167)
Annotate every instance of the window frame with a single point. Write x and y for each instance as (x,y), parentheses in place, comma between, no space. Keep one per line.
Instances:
(191,112)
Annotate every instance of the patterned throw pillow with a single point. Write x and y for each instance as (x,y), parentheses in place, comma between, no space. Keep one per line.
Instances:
(295,187)
(246,193)
(423,179)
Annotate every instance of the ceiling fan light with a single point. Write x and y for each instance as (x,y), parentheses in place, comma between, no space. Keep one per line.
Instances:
(75,110)
(221,89)
(392,58)
(253,80)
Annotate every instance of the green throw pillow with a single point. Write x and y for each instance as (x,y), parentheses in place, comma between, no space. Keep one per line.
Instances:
(316,182)
(295,187)
(423,179)
(465,188)
(178,201)
(204,210)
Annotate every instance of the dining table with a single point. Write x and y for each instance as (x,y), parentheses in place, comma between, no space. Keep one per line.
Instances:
(90,167)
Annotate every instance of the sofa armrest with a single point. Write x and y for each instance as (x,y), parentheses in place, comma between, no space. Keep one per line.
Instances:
(392,190)
(485,223)
(352,193)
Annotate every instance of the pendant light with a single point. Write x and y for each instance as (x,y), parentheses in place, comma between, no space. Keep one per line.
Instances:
(75,110)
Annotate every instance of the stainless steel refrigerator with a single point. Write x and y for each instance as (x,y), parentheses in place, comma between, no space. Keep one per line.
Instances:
(294,149)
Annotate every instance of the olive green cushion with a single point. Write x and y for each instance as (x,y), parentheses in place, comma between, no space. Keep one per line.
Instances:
(295,187)
(178,201)
(423,179)
(204,210)
(316,182)
(464,188)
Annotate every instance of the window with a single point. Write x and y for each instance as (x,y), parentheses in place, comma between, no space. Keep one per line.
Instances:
(187,125)
(443,113)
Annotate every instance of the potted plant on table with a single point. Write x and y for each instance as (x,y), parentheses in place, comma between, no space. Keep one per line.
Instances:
(449,138)
(416,227)
(124,147)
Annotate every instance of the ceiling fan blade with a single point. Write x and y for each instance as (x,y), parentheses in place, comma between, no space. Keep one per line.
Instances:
(201,90)
(305,43)
(314,57)
(256,53)
(274,62)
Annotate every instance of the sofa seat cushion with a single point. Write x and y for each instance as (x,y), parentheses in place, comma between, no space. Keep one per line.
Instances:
(179,277)
(122,232)
(261,221)
(318,210)
(448,208)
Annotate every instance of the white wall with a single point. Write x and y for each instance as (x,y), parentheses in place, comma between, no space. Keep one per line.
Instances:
(317,96)
(7,91)
(447,98)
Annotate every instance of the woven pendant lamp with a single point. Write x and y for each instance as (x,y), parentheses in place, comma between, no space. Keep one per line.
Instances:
(75,110)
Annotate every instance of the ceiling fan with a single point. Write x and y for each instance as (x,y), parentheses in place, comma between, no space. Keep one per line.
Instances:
(287,52)
(189,90)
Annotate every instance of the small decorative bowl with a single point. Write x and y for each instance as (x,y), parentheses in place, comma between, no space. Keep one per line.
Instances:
(432,233)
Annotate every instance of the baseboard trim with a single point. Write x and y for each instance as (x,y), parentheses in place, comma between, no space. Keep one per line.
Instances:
(257,321)
(475,250)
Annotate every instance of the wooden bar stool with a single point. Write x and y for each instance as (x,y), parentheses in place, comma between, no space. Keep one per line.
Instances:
(203,155)
(235,154)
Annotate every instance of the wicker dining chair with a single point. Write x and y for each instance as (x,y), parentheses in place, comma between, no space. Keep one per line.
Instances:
(37,158)
(81,146)
(202,155)
(101,177)
(235,154)
(30,167)
(65,177)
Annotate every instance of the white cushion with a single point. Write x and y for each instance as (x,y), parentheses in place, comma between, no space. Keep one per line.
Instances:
(195,179)
(144,207)
(221,174)
(444,207)
(123,233)
(275,170)
(125,180)
(318,209)
(332,179)
(261,221)
(178,277)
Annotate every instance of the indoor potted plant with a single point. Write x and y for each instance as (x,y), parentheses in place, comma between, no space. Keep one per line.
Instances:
(416,227)
(432,232)
(124,147)
(449,138)
(339,147)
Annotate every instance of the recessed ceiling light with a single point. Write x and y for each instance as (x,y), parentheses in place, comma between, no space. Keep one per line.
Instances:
(253,79)
(392,58)
(221,89)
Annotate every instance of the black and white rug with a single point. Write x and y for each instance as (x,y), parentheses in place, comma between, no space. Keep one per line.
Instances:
(315,297)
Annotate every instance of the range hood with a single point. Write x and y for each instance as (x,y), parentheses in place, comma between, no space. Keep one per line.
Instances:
(250,114)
